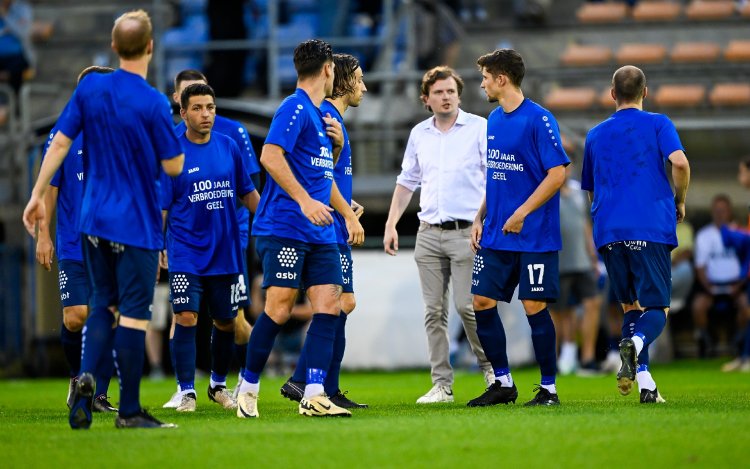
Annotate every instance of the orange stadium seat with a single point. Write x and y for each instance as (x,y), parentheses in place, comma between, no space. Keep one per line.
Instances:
(682,96)
(583,55)
(605,99)
(656,11)
(730,94)
(745,10)
(703,10)
(635,53)
(602,12)
(692,52)
(570,99)
(738,50)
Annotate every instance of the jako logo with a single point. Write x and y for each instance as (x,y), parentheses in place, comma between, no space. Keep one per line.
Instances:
(181,300)
(286,275)
(192,170)
(490,137)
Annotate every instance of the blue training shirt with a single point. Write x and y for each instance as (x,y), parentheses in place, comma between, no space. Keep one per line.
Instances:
(342,173)
(237,132)
(298,128)
(127,132)
(202,232)
(522,146)
(69,180)
(624,165)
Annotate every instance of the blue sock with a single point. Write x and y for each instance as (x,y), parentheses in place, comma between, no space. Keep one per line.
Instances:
(544,340)
(628,323)
(649,325)
(71,344)
(259,348)
(331,383)
(319,342)
(184,356)
(745,353)
(643,360)
(240,353)
(492,337)
(97,337)
(105,368)
(222,347)
(130,351)
(300,372)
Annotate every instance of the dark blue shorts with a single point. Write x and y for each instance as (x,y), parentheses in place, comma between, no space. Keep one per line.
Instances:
(121,275)
(497,273)
(295,264)
(347,268)
(74,283)
(244,281)
(222,293)
(639,270)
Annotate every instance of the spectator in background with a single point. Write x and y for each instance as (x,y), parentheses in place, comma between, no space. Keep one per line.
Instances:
(682,266)
(578,282)
(718,270)
(438,34)
(16,54)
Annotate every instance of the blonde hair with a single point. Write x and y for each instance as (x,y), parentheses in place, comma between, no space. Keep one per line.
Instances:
(132,34)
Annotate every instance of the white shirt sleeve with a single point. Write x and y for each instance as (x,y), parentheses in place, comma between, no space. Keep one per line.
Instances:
(411,172)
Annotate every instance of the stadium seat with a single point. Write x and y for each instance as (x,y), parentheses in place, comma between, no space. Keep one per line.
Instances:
(730,95)
(682,96)
(635,53)
(745,10)
(695,52)
(583,55)
(570,99)
(605,99)
(738,50)
(703,10)
(656,11)
(602,12)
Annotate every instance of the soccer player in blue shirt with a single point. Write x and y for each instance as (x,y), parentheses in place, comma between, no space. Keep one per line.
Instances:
(295,235)
(128,137)
(516,233)
(203,244)
(635,216)
(348,90)
(65,195)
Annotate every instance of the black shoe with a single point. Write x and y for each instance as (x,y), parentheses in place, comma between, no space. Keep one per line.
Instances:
(651,397)
(141,420)
(341,400)
(626,375)
(495,394)
(102,404)
(543,397)
(83,396)
(293,390)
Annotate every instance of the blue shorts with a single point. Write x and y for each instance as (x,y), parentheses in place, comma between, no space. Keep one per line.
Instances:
(497,273)
(639,270)
(74,283)
(244,281)
(222,293)
(347,268)
(290,263)
(121,275)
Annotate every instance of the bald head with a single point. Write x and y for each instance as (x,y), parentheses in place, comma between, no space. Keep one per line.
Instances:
(132,34)
(629,84)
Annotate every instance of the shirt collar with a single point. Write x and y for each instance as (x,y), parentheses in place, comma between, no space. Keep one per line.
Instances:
(461,120)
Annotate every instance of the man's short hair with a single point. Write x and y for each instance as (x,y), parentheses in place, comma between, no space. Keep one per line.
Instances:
(132,34)
(93,69)
(188,75)
(440,73)
(722,198)
(196,89)
(629,83)
(310,57)
(343,77)
(506,62)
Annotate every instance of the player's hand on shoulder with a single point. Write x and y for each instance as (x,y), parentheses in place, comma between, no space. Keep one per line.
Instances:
(390,240)
(358,209)
(514,224)
(334,130)
(317,212)
(476,235)
(45,251)
(356,232)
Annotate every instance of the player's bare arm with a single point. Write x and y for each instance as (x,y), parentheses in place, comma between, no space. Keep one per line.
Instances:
(45,248)
(272,158)
(401,198)
(549,186)
(251,200)
(681,178)
(478,226)
(173,166)
(356,232)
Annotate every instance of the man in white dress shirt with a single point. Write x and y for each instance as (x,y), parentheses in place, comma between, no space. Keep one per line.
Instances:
(447,156)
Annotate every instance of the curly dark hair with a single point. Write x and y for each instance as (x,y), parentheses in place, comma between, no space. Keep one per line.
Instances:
(343,74)
(506,62)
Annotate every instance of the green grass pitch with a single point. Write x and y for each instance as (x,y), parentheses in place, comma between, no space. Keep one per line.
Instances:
(705,422)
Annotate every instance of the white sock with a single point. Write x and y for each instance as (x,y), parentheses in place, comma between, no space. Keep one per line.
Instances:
(550,387)
(645,381)
(506,381)
(313,390)
(217,383)
(638,344)
(250,387)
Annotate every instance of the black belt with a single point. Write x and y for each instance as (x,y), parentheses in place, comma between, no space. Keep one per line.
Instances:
(453,225)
